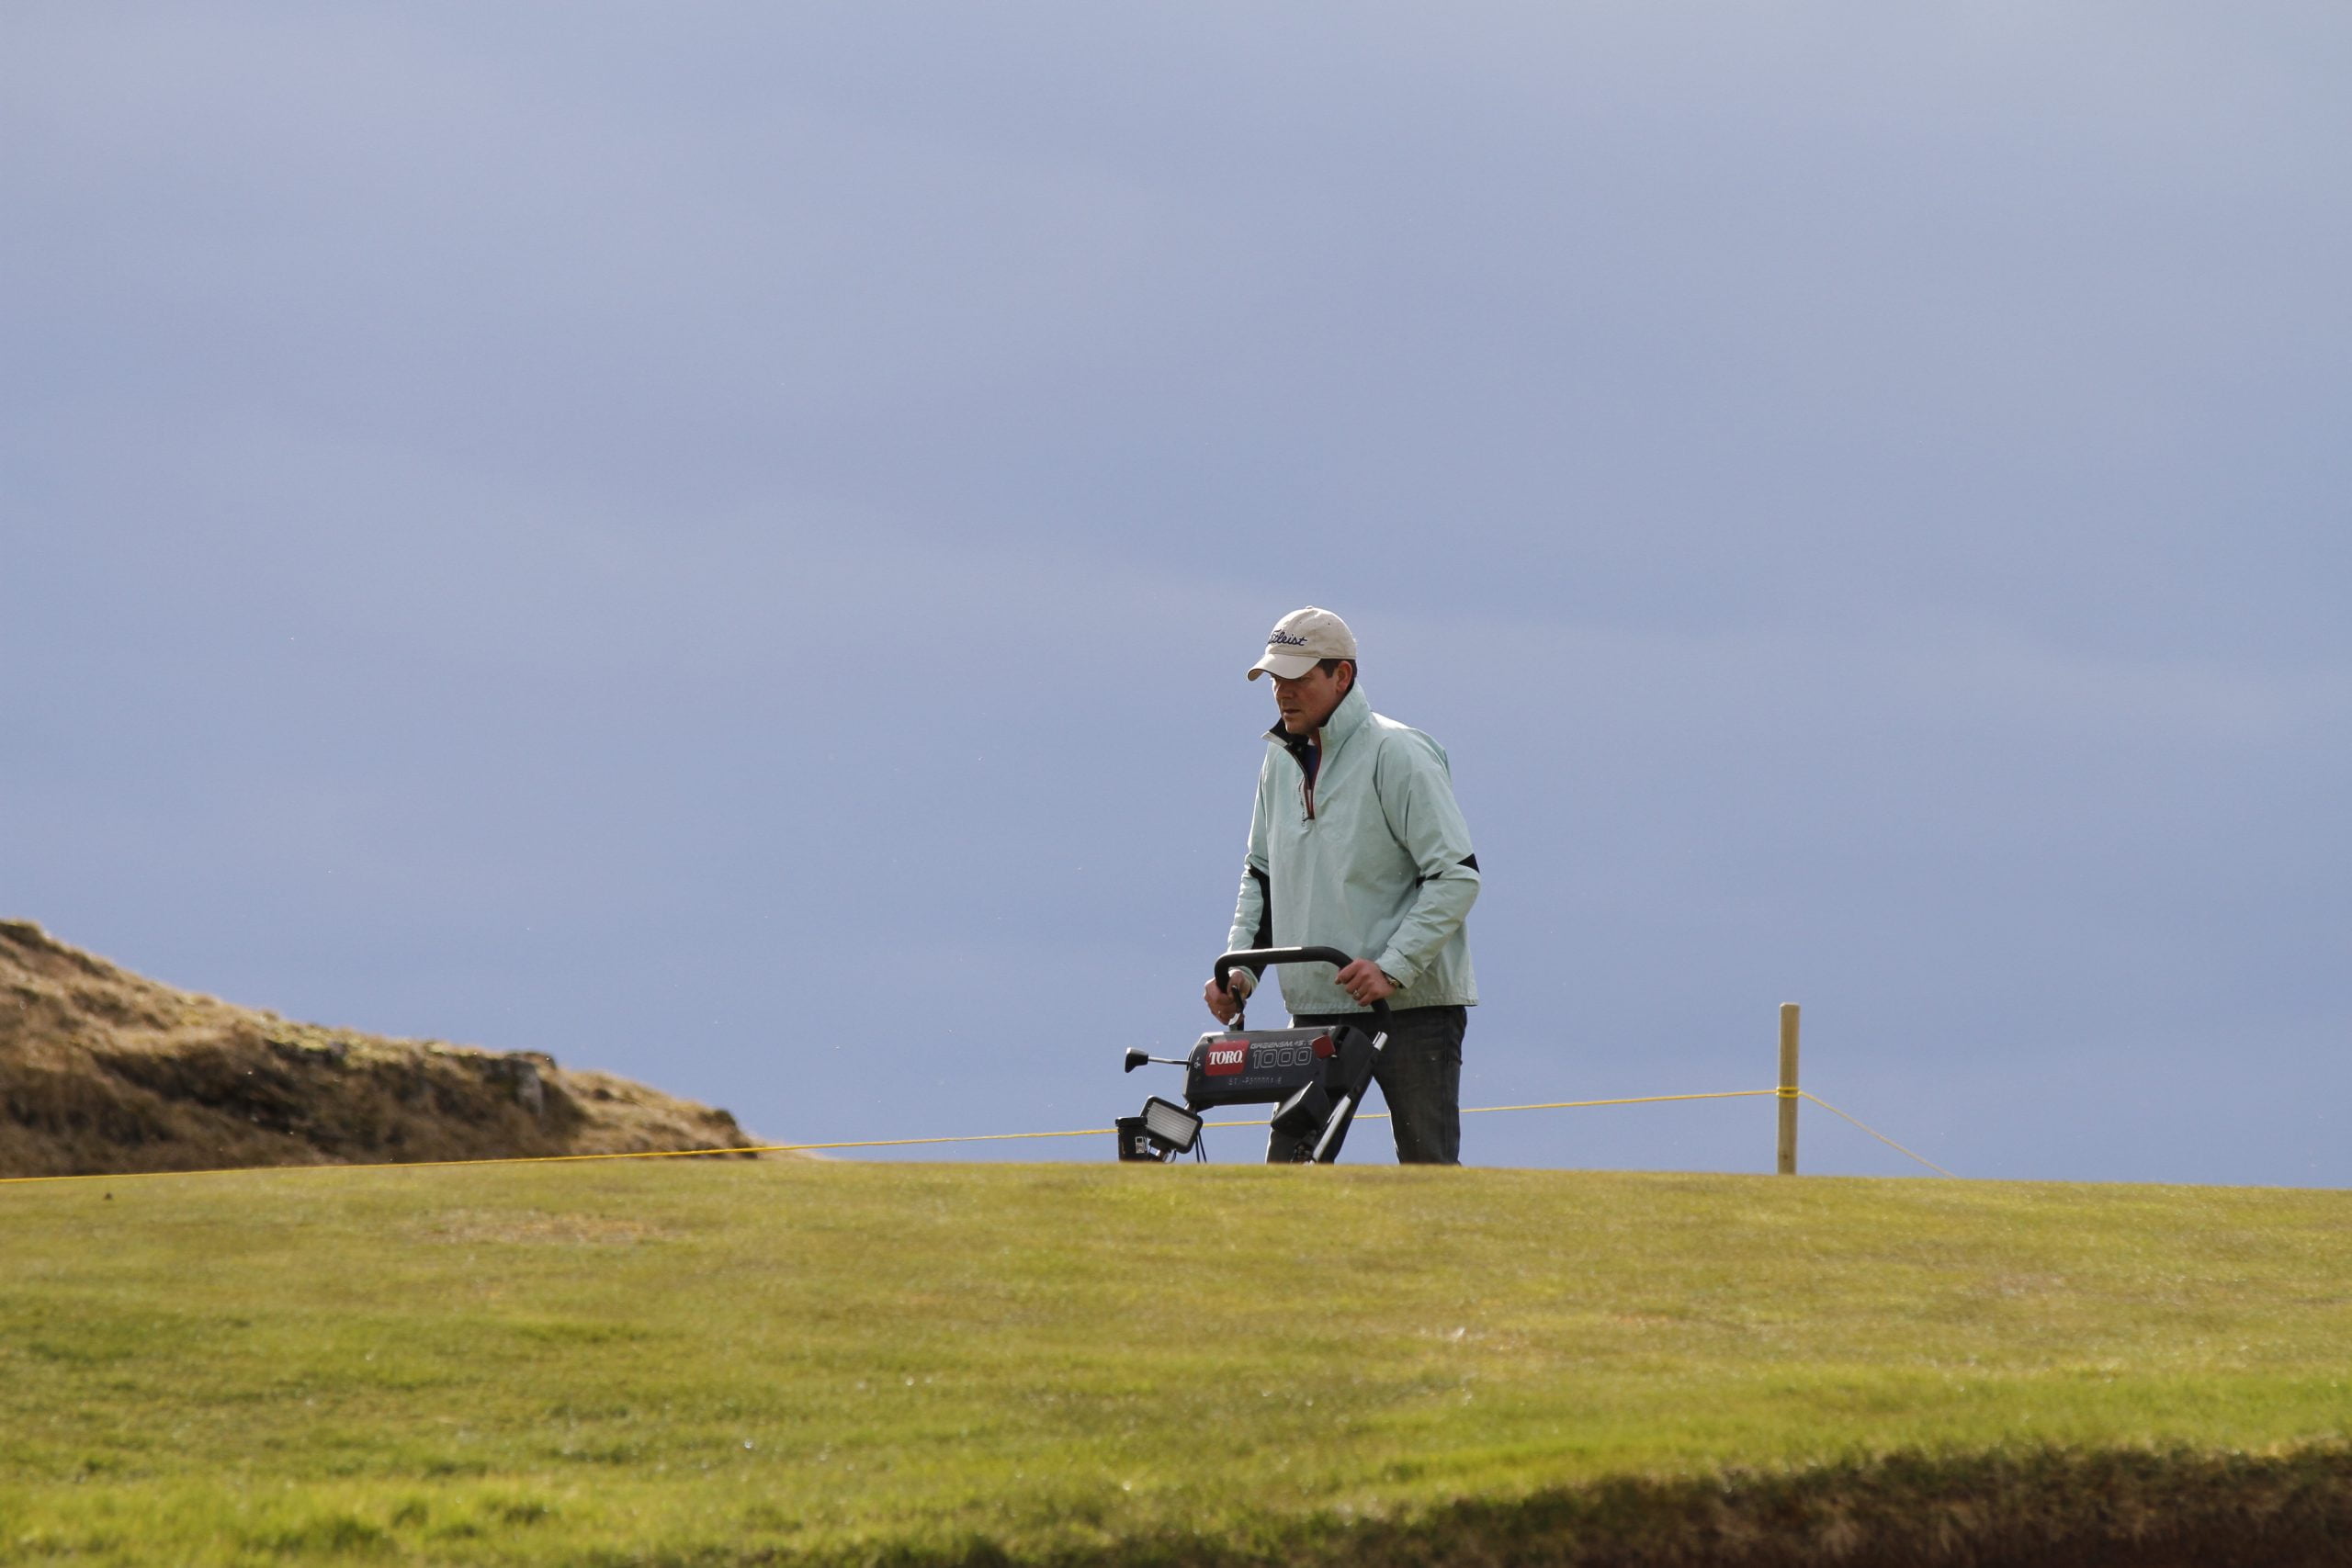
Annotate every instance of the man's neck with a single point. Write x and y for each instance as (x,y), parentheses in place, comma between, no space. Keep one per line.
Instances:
(1316,730)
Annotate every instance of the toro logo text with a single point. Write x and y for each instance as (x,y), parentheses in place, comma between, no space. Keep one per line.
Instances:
(1227,1057)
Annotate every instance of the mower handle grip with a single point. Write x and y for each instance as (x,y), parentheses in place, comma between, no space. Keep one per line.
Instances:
(1267,957)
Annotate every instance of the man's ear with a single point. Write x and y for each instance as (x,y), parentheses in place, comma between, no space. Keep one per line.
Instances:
(1350,683)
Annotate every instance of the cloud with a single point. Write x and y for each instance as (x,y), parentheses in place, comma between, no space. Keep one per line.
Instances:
(512,526)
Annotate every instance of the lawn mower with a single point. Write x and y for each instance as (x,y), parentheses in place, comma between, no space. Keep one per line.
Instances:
(1314,1077)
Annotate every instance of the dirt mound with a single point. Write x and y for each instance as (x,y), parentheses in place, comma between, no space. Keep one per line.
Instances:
(102,1070)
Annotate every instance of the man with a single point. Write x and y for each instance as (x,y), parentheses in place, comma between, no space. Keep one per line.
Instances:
(1356,844)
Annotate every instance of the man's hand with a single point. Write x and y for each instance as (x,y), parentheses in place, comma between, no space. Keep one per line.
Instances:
(1224,1005)
(1367,982)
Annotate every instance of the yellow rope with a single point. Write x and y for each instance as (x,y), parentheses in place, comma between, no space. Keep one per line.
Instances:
(574,1159)
(1547,1105)
(965,1138)
(1636,1100)
(1881,1137)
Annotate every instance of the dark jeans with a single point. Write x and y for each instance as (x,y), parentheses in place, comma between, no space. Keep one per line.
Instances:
(1419,1075)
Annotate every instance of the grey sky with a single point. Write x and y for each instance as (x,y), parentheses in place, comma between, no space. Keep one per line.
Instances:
(722,543)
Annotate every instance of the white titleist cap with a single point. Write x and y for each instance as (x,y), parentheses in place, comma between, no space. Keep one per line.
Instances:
(1302,639)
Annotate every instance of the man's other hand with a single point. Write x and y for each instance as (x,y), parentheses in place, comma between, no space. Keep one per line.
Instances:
(1224,1005)
(1367,982)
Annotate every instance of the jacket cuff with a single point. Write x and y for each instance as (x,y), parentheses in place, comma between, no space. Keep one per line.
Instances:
(1397,968)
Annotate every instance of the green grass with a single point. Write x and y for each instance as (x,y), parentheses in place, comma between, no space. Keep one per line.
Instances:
(722,1361)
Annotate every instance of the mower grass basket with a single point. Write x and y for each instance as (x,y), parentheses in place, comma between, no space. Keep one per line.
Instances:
(1314,1077)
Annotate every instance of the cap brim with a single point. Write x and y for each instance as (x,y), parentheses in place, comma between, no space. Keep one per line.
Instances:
(1289,666)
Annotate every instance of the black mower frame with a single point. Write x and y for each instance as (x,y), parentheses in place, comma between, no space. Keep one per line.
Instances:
(1316,1078)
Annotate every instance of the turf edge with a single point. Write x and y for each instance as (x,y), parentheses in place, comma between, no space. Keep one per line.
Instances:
(2024,1508)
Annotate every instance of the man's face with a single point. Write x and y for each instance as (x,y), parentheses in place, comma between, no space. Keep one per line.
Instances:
(1306,702)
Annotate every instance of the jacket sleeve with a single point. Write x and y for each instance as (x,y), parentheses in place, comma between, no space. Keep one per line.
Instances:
(1253,910)
(1416,789)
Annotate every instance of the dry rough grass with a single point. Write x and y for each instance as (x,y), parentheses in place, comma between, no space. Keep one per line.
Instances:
(105,1071)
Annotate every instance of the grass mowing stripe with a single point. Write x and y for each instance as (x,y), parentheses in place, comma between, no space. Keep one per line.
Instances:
(705,1362)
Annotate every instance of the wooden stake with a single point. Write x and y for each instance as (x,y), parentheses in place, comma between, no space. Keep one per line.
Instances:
(1788,1101)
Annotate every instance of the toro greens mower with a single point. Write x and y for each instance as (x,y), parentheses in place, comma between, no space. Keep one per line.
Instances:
(1314,1077)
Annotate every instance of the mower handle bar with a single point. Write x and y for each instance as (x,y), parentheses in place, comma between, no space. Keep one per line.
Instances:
(1267,957)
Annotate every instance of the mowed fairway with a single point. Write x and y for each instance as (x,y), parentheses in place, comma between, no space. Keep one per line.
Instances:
(724,1360)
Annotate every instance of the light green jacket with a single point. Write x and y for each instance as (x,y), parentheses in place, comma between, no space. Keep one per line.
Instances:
(1374,859)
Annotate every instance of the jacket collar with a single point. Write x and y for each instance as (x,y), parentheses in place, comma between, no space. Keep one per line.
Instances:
(1345,720)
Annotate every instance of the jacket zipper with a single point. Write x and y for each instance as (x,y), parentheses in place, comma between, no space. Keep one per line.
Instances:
(1306,780)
